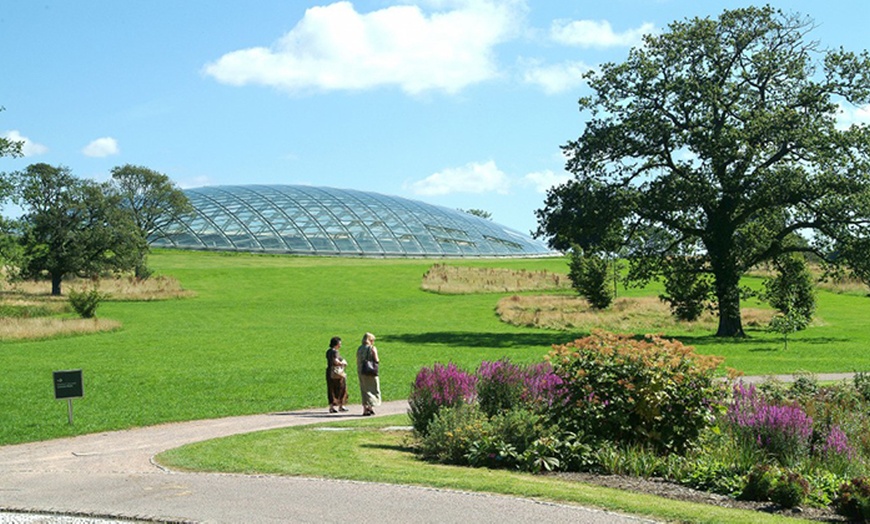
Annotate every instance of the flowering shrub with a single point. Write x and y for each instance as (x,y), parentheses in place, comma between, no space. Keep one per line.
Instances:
(503,386)
(784,431)
(653,391)
(499,386)
(437,387)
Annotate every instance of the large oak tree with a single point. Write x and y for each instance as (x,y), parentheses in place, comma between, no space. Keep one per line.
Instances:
(71,226)
(719,138)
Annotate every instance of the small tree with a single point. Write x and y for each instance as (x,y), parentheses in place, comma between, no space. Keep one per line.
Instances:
(589,276)
(792,294)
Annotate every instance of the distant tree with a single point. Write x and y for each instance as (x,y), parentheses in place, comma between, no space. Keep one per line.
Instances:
(152,201)
(9,147)
(719,137)
(478,213)
(71,226)
(8,250)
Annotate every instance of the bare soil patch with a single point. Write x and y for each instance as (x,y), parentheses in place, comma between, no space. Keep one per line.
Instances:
(671,490)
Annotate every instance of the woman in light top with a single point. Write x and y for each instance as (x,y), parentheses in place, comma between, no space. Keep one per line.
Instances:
(369,385)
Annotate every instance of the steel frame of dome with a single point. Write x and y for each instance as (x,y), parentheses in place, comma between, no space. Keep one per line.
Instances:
(313,220)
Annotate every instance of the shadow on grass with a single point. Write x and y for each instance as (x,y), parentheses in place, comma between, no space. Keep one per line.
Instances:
(484,340)
(390,447)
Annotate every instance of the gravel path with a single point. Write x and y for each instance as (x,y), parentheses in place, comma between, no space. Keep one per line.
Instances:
(111,475)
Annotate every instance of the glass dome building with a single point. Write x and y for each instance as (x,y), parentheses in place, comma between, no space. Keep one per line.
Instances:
(309,220)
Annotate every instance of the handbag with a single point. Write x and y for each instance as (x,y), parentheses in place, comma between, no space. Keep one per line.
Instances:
(370,368)
(337,372)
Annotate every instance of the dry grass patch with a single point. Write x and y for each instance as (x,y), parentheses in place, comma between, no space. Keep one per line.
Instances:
(48,327)
(626,315)
(119,289)
(28,311)
(457,280)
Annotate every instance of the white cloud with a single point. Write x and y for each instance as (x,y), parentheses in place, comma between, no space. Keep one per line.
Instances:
(102,147)
(556,78)
(473,177)
(334,47)
(544,180)
(851,115)
(29,147)
(592,33)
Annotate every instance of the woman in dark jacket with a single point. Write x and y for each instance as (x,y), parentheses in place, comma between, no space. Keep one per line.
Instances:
(336,377)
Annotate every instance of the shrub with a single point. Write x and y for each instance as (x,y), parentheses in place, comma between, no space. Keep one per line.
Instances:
(652,392)
(759,483)
(452,432)
(853,500)
(861,381)
(85,303)
(588,273)
(435,388)
(791,490)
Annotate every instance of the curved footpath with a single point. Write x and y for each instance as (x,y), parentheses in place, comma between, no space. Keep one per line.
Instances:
(112,475)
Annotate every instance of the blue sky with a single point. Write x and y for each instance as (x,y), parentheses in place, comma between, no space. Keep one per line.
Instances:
(462,104)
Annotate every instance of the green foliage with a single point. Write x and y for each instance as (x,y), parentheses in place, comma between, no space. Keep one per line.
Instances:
(861,380)
(452,433)
(792,294)
(791,489)
(651,392)
(85,302)
(71,226)
(755,104)
(152,201)
(687,288)
(853,500)
(589,277)
(478,213)
(759,483)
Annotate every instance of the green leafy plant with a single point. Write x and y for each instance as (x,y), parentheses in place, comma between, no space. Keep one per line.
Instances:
(853,500)
(790,490)
(85,303)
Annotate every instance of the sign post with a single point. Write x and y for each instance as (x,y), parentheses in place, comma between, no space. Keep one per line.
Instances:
(68,385)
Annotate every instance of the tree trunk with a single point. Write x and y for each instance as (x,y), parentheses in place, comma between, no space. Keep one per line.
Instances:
(55,284)
(728,294)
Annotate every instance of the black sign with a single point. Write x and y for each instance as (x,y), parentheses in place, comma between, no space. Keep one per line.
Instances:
(68,384)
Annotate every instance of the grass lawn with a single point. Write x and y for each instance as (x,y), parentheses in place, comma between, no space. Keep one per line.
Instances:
(368,452)
(253,340)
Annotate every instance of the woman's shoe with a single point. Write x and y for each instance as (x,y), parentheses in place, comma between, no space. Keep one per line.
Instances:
(342,408)
(332,410)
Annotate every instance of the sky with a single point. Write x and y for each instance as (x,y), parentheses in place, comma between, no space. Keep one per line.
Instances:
(457,103)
